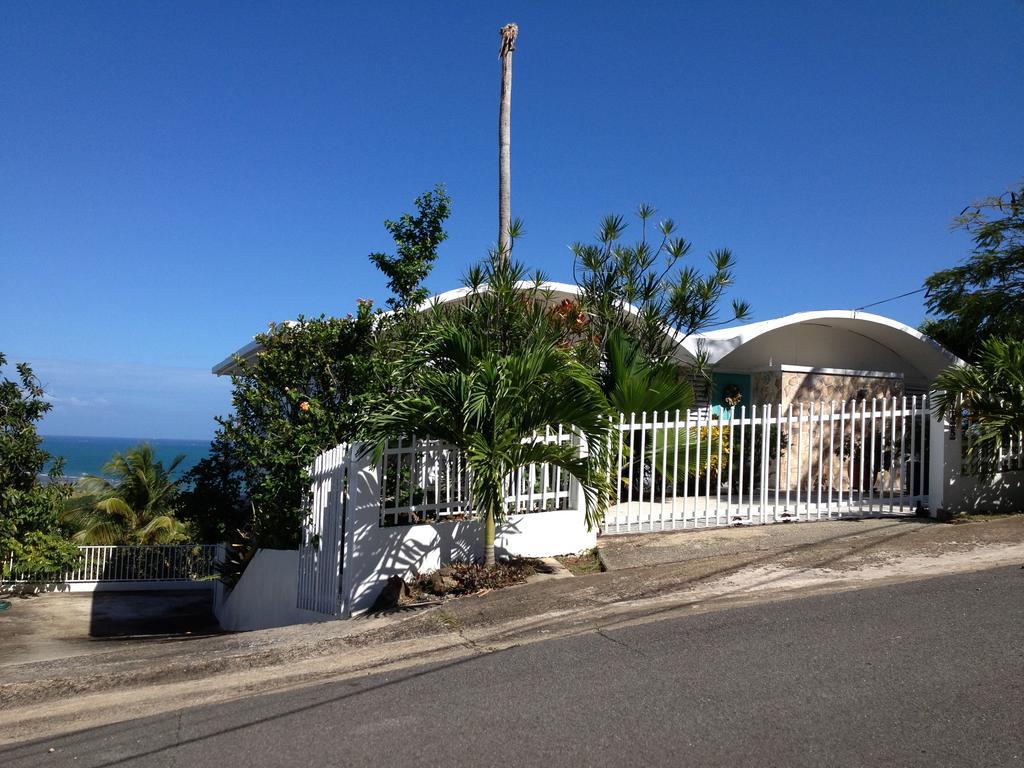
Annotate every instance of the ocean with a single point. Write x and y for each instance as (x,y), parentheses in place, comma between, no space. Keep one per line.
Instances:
(87,455)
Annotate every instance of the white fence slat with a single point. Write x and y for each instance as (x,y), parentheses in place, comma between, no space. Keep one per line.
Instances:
(844,459)
(130,563)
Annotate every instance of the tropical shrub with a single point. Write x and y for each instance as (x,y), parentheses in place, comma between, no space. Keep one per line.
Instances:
(31,535)
(673,300)
(308,389)
(987,397)
(489,374)
(305,391)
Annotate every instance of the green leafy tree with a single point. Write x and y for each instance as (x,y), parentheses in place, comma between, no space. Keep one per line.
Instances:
(673,300)
(30,529)
(134,502)
(214,500)
(990,394)
(417,237)
(308,389)
(305,391)
(491,373)
(984,296)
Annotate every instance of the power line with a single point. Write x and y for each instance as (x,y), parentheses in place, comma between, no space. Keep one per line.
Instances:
(886,301)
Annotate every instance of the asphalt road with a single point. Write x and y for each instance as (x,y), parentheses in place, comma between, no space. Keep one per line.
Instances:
(925,673)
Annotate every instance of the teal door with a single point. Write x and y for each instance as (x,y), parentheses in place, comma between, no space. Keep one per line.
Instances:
(730,385)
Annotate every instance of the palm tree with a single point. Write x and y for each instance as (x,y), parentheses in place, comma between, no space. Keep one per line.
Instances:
(492,377)
(508,44)
(135,506)
(634,384)
(990,394)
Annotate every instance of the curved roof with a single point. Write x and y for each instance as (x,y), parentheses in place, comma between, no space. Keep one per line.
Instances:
(557,290)
(833,338)
(823,338)
(563,291)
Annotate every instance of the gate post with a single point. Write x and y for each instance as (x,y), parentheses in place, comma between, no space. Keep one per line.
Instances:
(360,532)
(943,461)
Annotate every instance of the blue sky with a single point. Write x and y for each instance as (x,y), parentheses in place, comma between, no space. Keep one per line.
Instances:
(175,175)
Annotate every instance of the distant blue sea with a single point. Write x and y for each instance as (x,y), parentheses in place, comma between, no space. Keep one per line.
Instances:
(87,455)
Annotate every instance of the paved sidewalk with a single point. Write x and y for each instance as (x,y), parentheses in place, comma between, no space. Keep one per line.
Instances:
(646,549)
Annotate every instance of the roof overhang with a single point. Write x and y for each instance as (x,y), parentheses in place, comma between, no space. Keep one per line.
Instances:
(920,352)
(555,290)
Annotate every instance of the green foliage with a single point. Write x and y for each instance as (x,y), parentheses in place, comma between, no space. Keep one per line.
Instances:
(214,502)
(305,391)
(417,238)
(671,298)
(308,389)
(487,374)
(989,396)
(30,528)
(634,384)
(41,554)
(984,296)
(134,502)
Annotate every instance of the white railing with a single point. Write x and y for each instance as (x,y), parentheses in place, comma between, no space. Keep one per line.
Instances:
(422,481)
(164,563)
(1010,456)
(768,463)
(426,481)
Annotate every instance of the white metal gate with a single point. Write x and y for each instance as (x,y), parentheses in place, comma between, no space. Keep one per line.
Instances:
(765,463)
(320,556)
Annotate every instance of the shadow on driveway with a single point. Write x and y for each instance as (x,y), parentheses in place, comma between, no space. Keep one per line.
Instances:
(53,625)
(147,614)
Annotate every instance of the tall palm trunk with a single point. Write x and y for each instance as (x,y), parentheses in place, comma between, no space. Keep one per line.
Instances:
(492,500)
(489,539)
(508,45)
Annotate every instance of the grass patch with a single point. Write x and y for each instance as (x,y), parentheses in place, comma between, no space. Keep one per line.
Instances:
(447,621)
(582,564)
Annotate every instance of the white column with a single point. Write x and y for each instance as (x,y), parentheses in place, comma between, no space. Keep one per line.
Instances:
(361,530)
(943,461)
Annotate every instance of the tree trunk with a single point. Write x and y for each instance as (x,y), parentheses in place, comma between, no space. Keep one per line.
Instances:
(508,44)
(489,539)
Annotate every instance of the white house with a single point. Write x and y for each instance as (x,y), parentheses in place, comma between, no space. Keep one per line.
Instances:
(816,415)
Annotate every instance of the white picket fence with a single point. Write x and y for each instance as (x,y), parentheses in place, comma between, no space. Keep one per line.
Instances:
(426,481)
(766,463)
(323,531)
(150,563)
(364,519)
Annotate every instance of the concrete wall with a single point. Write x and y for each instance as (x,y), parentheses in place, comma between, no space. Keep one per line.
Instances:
(953,492)
(265,596)
(1002,493)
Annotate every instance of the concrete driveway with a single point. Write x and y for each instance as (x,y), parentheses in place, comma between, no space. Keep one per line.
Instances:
(54,625)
